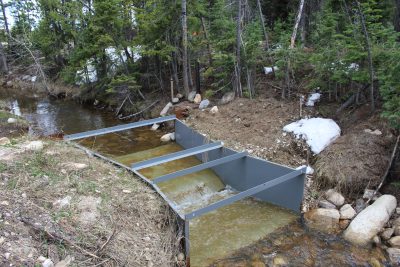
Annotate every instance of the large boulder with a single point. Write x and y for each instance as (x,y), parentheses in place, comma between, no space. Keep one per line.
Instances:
(394,255)
(325,220)
(371,220)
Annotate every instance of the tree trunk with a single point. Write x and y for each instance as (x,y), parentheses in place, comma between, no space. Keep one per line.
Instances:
(368,47)
(5,18)
(203,25)
(3,60)
(184,49)
(238,46)
(397,16)
(263,24)
(296,25)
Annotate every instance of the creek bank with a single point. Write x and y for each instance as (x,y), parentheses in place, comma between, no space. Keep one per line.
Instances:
(61,207)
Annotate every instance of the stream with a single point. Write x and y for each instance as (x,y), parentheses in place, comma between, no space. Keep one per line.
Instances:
(246,233)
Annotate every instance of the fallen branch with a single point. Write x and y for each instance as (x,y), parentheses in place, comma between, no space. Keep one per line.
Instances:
(140,112)
(107,241)
(387,169)
(120,107)
(58,238)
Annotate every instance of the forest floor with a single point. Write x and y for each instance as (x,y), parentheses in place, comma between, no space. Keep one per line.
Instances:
(59,204)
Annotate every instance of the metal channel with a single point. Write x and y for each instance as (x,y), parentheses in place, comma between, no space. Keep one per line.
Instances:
(118,128)
(177,155)
(244,194)
(199,167)
(154,186)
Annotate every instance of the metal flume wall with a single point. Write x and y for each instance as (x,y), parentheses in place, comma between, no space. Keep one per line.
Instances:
(249,176)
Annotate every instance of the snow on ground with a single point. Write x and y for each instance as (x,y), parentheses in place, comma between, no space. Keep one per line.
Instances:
(268,70)
(317,132)
(309,169)
(315,97)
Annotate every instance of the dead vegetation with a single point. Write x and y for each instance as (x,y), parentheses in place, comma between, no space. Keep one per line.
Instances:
(52,206)
(357,160)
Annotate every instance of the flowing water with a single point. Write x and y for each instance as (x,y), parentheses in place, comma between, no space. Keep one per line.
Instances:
(246,233)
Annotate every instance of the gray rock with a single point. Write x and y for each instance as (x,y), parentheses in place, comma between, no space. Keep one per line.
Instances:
(387,233)
(347,212)
(334,197)
(175,100)
(369,194)
(48,263)
(394,241)
(396,222)
(11,120)
(397,230)
(377,240)
(325,220)
(394,255)
(9,84)
(191,96)
(34,146)
(326,204)
(227,97)
(204,104)
(397,210)
(371,220)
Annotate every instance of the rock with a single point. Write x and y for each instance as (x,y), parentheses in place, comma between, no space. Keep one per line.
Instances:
(334,197)
(376,132)
(66,262)
(155,127)
(179,96)
(326,204)
(394,255)
(227,97)
(197,99)
(9,84)
(376,239)
(168,137)
(181,256)
(347,212)
(325,220)
(343,224)
(34,146)
(96,102)
(126,191)
(397,210)
(279,261)
(214,110)
(2,239)
(394,241)
(4,141)
(175,100)
(396,222)
(360,205)
(204,104)
(11,120)
(74,166)
(397,230)
(165,110)
(191,96)
(41,259)
(62,203)
(387,233)
(7,255)
(371,220)
(48,263)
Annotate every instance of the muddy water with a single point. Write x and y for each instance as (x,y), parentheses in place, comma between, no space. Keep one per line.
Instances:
(246,233)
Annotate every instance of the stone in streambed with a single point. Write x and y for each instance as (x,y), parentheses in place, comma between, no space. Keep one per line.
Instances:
(168,137)
(347,212)
(155,127)
(325,220)
(394,241)
(334,197)
(326,204)
(371,220)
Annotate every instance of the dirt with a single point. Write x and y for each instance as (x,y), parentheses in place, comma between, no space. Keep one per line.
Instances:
(96,214)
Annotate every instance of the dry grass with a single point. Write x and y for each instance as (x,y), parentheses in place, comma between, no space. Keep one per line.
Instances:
(357,160)
(104,200)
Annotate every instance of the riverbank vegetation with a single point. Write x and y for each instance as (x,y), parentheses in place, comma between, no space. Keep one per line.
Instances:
(122,50)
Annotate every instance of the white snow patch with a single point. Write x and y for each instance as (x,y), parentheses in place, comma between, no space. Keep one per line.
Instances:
(315,97)
(268,70)
(317,132)
(309,169)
